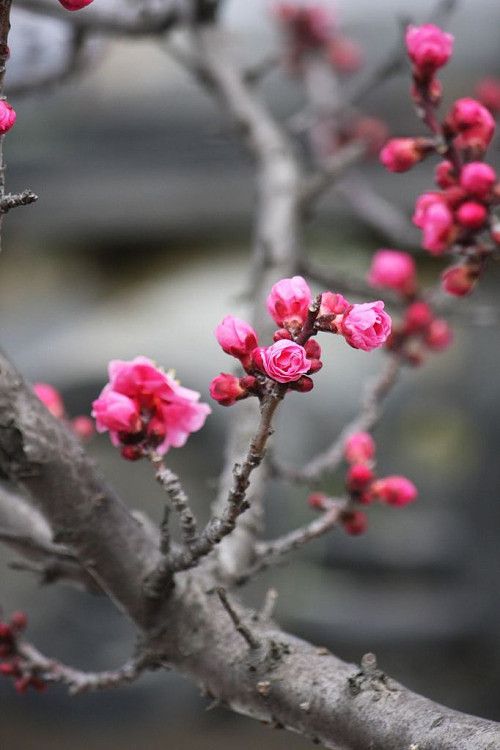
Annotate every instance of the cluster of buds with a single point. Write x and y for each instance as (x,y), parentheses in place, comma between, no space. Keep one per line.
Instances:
(459,215)
(145,409)
(50,397)
(419,330)
(11,665)
(312,27)
(364,487)
(295,355)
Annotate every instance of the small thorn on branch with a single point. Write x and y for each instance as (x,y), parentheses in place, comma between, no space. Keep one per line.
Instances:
(242,629)
(13,200)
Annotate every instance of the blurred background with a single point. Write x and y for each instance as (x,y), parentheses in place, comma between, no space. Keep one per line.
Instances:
(139,245)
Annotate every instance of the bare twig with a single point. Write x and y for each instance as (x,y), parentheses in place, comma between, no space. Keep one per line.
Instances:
(34,662)
(13,200)
(177,497)
(242,629)
(269,605)
(331,171)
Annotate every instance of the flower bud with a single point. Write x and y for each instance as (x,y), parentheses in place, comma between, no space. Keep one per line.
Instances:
(226,389)
(418,317)
(354,522)
(75,4)
(444,174)
(317,500)
(288,302)
(236,337)
(429,48)
(359,476)
(303,385)
(366,326)
(50,398)
(401,154)
(395,490)
(345,55)
(282,333)
(488,93)
(7,116)
(313,349)
(459,280)
(439,335)
(83,427)
(478,179)
(472,215)
(472,123)
(393,269)
(359,448)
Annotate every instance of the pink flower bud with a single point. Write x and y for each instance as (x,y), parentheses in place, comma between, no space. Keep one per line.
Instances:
(226,389)
(132,452)
(313,349)
(359,448)
(345,55)
(354,522)
(472,215)
(444,174)
(429,48)
(393,269)
(395,490)
(75,4)
(18,621)
(372,131)
(459,280)
(435,219)
(473,124)
(83,427)
(488,93)
(333,304)
(401,154)
(439,335)
(236,337)
(366,326)
(288,301)
(418,317)
(51,398)
(359,476)
(317,500)
(7,116)
(478,179)
(282,333)
(303,385)
(285,361)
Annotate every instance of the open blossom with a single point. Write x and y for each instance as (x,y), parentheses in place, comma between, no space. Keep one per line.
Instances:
(429,47)
(51,398)
(366,326)
(7,116)
(395,490)
(236,337)
(144,407)
(284,361)
(359,448)
(393,269)
(75,4)
(288,301)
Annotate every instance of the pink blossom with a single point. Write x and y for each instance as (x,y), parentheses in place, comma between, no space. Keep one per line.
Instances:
(459,280)
(395,490)
(345,55)
(288,301)
(444,174)
(7,116)
(359,476)
(226,389)
(393,269)
(488,93)
(51,398)
(146,405)
(284,361)
(366,326)
(433,216)
(478,178)
(75,4)
(83,427)
(401,154)
(429,48)
(333,304)
(236,337)
(359,448)
(439,335)
(354,522)
(472,123)
(418,316)
(472,215)
(372,130)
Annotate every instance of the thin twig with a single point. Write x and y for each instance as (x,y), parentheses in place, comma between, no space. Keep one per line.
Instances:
(331,171)
(267,610)
(242,629)
(177,497)
(13,200)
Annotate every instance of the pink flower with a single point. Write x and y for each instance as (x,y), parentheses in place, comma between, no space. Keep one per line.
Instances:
(478,179)
(354,522)
(459,280)
(288,301)
(439,335)
(401,154)
(359,476)
(395,490)
(429,48)
(146,406)
(345,55)
(236,337)
(285,361)
(226,389)
(366,326)
(444,174)
(83,427)
(433,216)
(418,317)
(393,269)
(7,116)
(359,448)
(473,124)
(75,4)
(51,398)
